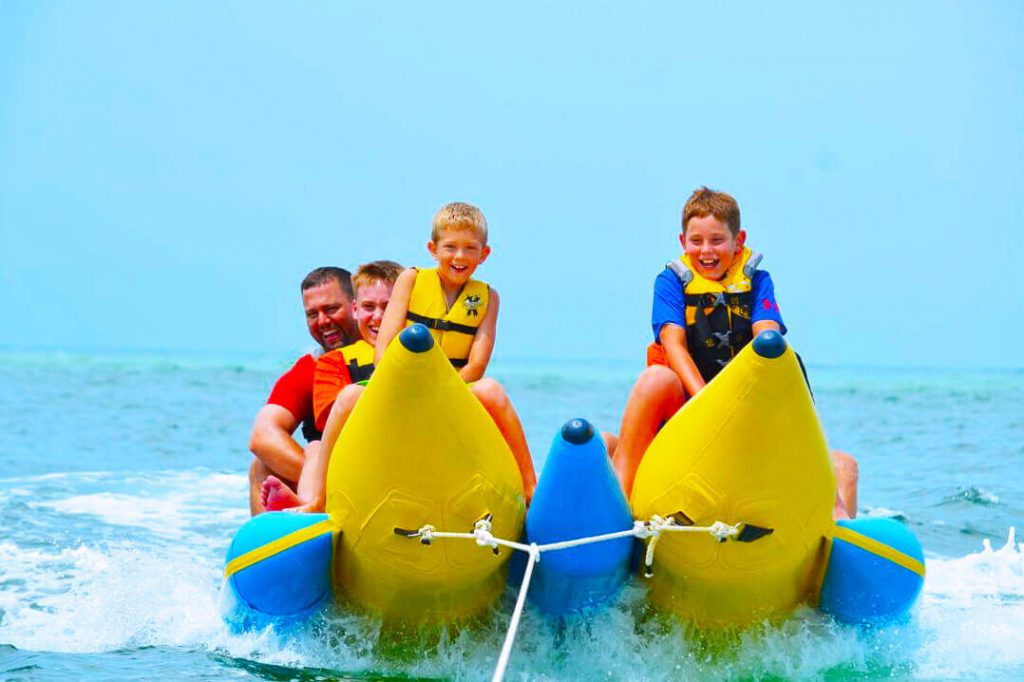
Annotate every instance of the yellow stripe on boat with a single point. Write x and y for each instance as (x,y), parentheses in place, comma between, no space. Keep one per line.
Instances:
(277,546)
(420,449)
(749,448)
(879,549)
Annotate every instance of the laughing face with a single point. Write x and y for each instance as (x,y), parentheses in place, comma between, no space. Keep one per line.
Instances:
(371,301)
(710,246)
(458,252)
(329,315)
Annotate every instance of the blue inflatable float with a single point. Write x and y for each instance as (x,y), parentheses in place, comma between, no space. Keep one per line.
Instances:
(578,496)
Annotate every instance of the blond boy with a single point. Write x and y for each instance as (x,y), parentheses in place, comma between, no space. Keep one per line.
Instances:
(462,314)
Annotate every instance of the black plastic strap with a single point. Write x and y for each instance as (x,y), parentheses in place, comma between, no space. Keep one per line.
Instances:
(440,325)
(359,372)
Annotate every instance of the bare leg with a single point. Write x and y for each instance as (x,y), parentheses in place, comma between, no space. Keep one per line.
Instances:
(494,399)
(656,396)
(611,441)
(847,475)
(312,488)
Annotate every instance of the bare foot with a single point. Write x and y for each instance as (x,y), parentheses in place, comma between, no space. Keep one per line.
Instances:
(276,495)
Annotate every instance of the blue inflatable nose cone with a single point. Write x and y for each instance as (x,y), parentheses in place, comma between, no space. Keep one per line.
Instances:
(578,496)
(416,338)
(875,572)
(769,344)
(278,569)
(577,431)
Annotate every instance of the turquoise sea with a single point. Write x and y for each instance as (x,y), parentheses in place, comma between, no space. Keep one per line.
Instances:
(122,479)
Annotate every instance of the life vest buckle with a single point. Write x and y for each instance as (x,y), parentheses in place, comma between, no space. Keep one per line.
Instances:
(723,338)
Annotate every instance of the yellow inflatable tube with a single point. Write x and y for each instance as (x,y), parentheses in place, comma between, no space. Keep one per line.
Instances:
(420,449)
(748,449)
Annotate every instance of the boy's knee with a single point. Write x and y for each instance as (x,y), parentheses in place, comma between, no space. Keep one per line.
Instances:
(347,397)
(659,383)
(489,390)
(845,464)
(658,376)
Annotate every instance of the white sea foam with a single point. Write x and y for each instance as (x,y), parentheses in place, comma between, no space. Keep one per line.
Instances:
(104,598)
(162,587)
(180,504)
(972,613)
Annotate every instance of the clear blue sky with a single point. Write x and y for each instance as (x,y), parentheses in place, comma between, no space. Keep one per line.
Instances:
(170,171)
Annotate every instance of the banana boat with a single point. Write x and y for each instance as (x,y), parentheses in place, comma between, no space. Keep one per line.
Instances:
(418,450)
(746,455)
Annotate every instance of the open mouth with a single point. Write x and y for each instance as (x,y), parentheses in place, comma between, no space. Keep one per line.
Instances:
(331,337)
(708,263)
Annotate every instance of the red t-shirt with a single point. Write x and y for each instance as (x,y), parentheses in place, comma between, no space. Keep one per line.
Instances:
(294,390)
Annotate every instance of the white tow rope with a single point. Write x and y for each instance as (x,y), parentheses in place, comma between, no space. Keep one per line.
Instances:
(483,537)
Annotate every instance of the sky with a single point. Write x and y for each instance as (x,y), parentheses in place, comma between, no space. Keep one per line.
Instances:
(170,171)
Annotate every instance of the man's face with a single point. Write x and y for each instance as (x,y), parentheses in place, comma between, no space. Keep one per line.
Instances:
(329,315)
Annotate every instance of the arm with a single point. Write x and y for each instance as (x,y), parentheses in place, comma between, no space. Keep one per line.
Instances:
(483,342)
(271,441)
(765,325)
(394,316)
(673,340)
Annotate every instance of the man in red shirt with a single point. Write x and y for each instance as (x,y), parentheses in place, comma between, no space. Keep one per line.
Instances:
(327,299)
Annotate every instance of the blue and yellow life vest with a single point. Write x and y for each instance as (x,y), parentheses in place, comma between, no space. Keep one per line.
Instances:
(718,312)
(453,328)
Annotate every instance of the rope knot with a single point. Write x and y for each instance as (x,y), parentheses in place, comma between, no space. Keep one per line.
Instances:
(482,533)
(426,534)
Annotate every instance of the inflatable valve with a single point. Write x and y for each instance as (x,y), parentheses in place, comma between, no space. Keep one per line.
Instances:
(875,572)
(278,569)
(416,338)
(769,344)
(578,496)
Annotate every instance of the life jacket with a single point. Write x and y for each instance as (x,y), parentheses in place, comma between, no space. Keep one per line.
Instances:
(717,314)
(334,371)
(453,328)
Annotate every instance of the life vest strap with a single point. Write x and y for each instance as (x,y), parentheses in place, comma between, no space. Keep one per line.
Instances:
(359,372)
(441,325)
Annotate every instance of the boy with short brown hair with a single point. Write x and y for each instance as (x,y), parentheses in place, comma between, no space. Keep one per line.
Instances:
(707,306)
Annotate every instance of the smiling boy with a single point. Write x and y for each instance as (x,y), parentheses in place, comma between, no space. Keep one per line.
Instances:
(462,315)
(707,306)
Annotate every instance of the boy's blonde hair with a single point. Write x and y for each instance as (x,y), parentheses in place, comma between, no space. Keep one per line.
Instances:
(376,271)
(704,202)
(459,216)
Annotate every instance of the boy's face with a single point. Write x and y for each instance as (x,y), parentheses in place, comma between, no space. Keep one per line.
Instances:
(711,246)
(458,253)
(368,308)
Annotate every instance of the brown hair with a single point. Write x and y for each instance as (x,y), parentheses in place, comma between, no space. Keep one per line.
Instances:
(321,276)
(376,271)
(459,216)
(704,202)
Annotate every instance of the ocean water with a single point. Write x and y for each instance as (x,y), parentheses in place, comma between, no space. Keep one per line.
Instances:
(122,479)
